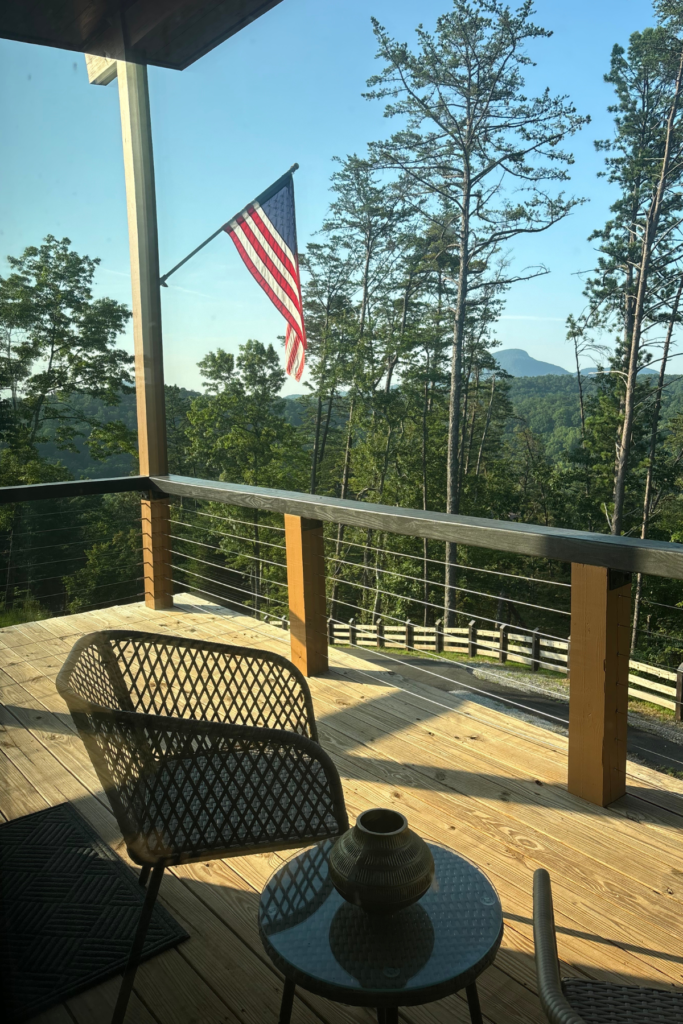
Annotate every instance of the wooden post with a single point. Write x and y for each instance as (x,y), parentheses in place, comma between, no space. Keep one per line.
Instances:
(598,685)
(353,635)
(438,636)
(379,626)
(138,163)
(678,713)
(535,650)
(503,644)
(472,639)
(306,582)
(410,635)
(330,632)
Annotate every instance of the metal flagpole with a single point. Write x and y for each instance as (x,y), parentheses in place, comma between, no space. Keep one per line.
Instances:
(162,280)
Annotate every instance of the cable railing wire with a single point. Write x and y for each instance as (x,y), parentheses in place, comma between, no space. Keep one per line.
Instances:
(394,618)
(231,551)
(439,607)
(229,519)
(218,597)
(228,586)
(228,568)
(438,583)
(237,536)
(457,565)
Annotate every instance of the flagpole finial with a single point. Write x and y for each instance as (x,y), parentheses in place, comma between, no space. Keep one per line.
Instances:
(294,167)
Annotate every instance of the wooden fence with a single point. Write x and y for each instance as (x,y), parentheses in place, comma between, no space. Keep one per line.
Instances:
(646,682)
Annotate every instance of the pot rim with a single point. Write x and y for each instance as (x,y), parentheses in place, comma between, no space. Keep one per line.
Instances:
(385,810)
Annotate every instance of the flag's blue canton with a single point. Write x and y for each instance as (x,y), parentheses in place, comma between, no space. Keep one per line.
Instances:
(280,212)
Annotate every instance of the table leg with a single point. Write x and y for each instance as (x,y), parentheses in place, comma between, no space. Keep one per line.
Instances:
(473,1003)
(287,1002)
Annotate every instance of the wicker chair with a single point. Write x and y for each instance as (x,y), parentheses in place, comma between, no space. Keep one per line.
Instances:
(575,1001)
(204,751)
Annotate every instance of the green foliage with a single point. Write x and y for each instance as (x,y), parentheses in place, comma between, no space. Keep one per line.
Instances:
(56,342)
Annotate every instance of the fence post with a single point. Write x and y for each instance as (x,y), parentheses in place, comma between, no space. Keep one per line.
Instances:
(410,635)
(353,635)
(438,636)
(598,684)
(306,584)
(330,631)
(503,644)
(472,639)
(535,650)
(678,713)
(379,626)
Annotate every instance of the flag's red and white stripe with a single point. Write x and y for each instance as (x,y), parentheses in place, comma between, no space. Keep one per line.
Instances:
(276,268)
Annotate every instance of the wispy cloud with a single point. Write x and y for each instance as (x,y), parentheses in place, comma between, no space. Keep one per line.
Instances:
(116,273)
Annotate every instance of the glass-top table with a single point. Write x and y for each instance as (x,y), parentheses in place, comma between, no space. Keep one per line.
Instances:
(438,946)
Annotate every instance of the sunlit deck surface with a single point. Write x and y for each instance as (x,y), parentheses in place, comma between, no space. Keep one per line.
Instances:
(485,784)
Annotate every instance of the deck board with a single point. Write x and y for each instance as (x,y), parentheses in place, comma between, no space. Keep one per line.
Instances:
(486,784)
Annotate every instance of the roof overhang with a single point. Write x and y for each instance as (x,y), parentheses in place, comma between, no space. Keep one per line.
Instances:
(165,33)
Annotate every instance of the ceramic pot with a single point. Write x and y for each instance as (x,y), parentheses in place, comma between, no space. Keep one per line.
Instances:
(380,864)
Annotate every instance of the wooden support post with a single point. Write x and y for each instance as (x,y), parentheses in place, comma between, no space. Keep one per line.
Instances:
(138,165)
(438,636)
(410,635)
(353,633)
(503,644)
(535,650)
(330,632)
(379,626)
(472,639)
(678,713)
(598,685)
(306,582)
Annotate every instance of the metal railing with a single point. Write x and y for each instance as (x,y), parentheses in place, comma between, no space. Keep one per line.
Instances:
(381,569)
(69,554)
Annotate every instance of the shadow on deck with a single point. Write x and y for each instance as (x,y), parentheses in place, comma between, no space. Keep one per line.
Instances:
(487,785)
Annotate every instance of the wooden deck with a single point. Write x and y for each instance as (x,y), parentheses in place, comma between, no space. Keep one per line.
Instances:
(486,784)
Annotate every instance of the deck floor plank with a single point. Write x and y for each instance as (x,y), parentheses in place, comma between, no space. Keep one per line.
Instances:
(465,774)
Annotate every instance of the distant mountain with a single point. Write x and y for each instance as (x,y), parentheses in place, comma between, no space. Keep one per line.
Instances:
(519,363)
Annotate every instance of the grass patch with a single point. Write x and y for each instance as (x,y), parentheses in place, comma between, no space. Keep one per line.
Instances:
(29,611)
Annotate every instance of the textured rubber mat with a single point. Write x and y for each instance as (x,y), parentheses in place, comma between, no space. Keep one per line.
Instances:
(69,908)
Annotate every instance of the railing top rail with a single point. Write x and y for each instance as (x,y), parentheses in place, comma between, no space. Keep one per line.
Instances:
(656,558)
(74,488)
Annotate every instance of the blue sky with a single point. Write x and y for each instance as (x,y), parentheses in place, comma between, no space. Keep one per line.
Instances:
(287,88)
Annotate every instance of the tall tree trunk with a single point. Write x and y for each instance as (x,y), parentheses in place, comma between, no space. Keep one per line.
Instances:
(326,428)
(453,465)
(340,528)
(465,459)
(316,442)
(647,500)
(484,435)
(425,504)
(649,236)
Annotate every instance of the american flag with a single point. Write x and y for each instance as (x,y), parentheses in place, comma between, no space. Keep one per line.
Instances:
(265,236)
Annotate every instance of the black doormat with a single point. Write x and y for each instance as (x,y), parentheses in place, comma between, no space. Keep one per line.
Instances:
(69,908)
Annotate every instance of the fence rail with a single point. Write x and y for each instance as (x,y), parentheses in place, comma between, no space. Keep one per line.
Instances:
(647,682)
